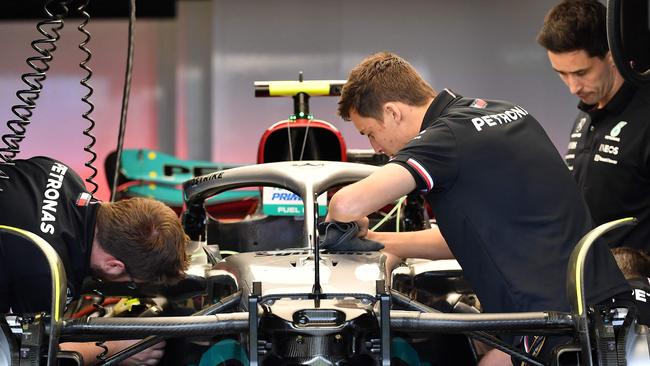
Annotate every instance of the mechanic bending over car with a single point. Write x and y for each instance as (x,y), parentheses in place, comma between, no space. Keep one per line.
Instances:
(506,206)
(609,146)
(137,239)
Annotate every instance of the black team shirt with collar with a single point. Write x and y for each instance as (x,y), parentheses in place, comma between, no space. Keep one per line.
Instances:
(641,295)
(47,198)
(506,204)
(609,157)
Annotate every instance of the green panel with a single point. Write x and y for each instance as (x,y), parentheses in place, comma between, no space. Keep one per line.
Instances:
(223,352)
(150,165)
(161,176)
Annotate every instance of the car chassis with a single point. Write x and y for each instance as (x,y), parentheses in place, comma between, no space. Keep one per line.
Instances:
(324,320)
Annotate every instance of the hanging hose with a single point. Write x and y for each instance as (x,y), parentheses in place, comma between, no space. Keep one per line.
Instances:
(304,140)
(125,98)
(45,47)
(290,144)
(86,98)
(390,215)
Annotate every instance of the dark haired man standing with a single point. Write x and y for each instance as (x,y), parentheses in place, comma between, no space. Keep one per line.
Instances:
(609,147)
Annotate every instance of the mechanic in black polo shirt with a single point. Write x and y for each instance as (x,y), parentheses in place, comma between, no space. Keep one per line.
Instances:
(137,239)
(609,149)
(506,206)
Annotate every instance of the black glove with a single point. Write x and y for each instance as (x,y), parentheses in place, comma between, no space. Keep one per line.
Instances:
(342,236)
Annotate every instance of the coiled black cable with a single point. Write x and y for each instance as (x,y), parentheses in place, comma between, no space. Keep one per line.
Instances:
(102,312)
(98,304)
(40,64)
(102,355)
(101,344)
(86,98)
(125,98)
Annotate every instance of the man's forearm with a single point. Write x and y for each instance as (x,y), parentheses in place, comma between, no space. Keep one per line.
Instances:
(426,244)
(368,195)
(88,350)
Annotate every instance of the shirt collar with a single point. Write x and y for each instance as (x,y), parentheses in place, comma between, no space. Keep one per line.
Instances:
(614,106)
(438,106)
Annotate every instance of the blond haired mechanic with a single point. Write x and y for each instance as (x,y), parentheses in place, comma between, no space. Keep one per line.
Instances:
(131,240)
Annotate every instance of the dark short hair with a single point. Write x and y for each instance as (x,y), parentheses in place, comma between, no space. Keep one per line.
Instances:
(632,262)
(380,78)
(146,235)
(574,25)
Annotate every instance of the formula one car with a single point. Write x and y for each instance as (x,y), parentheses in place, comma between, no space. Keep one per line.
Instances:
(272,296)
(150,173)
(292,303)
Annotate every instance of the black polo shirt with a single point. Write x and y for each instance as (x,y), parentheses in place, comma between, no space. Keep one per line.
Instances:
(505,203)
(47,198)
(641,296)
(609,156)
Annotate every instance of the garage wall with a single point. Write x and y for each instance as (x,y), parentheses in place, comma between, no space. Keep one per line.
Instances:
(477,48)
(56,128)
(56,125)
(192,92)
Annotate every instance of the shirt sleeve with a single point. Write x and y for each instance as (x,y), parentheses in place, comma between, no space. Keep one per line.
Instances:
(431,157)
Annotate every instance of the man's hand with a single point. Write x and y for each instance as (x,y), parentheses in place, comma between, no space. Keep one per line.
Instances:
(343,236)
(363,227)
(89,352)
(150,356)
(495,357)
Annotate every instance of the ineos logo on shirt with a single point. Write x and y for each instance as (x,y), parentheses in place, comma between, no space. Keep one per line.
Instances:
(609,149)
(50,197)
